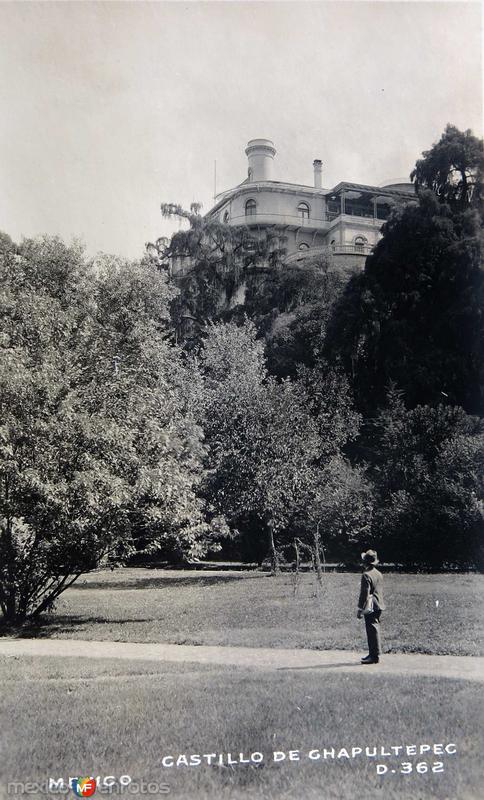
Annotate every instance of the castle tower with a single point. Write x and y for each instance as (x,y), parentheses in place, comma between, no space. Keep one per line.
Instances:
(260,153)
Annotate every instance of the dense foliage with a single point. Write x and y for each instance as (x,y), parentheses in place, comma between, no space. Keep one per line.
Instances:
(274,447)
(99,451)
(415,315)
(216,265)
(453,169)
(412,320)
(428,474)
(263,409)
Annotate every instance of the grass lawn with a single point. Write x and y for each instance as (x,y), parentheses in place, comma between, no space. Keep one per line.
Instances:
(254,609)
(62,718)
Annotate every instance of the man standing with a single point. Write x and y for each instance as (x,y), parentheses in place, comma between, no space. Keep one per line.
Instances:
(370,604)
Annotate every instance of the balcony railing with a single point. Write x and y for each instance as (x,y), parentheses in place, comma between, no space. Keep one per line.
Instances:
(364,213)
(292,220)
(297,221)
(336,249)
(354,249)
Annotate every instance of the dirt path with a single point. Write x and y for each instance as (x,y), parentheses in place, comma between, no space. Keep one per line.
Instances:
(467,667)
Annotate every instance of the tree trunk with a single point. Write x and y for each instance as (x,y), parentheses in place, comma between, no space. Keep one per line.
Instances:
(317,557)
(273,551)
(11,609)
(9,587)
(296,575)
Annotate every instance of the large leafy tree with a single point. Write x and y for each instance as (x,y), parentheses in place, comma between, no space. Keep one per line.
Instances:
(261,436)
(291,307)
(453,169)
(98,447)
(227,272)
(275,447)
(415,316)
(335,511)
(427,470)
(213,264)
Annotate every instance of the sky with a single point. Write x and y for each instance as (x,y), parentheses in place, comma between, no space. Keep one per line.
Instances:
(109,109)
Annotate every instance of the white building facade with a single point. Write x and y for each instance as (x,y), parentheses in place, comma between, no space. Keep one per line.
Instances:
(309,219)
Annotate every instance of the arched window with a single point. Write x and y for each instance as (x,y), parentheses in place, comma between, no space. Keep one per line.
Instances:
(226,216)
(360,243)
(303,246)
(250,208)
(303,210)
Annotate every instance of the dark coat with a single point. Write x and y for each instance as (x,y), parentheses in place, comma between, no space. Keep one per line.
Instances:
(371,583)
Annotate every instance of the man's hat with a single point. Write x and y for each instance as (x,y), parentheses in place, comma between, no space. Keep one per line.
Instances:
(370,557)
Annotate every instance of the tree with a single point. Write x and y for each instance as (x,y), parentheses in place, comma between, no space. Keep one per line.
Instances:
(261,436)
(287,453)
(98,448)
(336,505)
(414,317)
(291,306)
(226,273)
(330,402)
(427,470)
(452,169)
(213,263)
(275,467)
(334,517)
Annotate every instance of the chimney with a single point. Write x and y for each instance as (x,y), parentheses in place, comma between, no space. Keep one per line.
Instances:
(260,153)
(317,173)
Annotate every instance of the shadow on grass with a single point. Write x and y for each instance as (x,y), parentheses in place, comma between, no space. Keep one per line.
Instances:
(46,627)
(322,666)
(202,580)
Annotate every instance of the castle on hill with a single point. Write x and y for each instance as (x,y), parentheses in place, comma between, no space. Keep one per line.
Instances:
(347,218)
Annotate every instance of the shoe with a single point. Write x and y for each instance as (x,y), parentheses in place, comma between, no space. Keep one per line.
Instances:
(369,660)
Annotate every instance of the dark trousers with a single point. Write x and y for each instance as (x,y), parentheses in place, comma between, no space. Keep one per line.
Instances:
(372,624)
